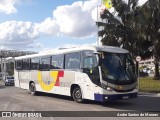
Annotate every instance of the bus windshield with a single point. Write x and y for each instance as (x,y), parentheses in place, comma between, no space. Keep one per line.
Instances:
(118,68)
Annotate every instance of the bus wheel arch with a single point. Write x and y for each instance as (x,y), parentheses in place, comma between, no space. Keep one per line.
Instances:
(32,88)
(76,93)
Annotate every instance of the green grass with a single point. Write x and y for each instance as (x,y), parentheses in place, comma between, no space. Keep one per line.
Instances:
(148,84)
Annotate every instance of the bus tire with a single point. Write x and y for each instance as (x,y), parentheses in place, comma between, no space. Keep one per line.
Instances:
(77,95)
(32,88)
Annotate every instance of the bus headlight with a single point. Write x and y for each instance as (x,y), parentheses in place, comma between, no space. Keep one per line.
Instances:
(106,87)
(109,89)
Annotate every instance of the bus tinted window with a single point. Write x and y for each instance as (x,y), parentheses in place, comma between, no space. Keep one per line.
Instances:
(19,65)
(35,64)
(45,63)
(89,62)
(57,62)
(26,64)
(72,61)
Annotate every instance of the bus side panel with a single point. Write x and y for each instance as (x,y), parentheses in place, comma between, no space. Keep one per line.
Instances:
(63,82)
(16,79)
(34,78)
(73,77)
(57,82)
(63,87)
(88,88)
(24,77)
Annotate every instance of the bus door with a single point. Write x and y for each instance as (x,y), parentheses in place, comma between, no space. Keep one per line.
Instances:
(90,67)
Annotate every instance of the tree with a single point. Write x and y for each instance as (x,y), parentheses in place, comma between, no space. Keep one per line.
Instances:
(10,68)
(122,29)
(151,28)
(131,28)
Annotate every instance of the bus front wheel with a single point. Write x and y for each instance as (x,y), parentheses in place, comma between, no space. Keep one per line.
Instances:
(32,88)
(77,95)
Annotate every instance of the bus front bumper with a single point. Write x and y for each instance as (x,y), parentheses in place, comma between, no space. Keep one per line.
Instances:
(104,98)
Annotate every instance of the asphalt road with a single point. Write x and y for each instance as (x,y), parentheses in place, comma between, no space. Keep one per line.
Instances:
(16,99)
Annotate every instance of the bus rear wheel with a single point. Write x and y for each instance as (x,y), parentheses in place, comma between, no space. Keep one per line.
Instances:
(77,95)
(32,88)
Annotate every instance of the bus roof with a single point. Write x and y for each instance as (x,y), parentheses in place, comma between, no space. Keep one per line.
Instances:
(110,49)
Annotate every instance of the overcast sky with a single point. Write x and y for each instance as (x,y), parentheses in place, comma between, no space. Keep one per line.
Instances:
(36,25)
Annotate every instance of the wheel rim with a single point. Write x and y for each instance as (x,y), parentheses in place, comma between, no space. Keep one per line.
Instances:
(78,94)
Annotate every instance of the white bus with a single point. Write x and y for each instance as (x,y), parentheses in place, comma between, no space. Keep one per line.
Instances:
(99,73)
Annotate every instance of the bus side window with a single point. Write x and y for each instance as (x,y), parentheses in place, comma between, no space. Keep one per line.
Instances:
(72,61)
(19,65)
(45,63)
(57,62)
(26,64)
(88,62)
(35,64)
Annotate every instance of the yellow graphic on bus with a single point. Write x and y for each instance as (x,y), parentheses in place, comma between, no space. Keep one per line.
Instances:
(54,77)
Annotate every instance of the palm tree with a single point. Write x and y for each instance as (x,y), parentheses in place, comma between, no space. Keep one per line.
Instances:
(121,30)
(134,28)
(126,29)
